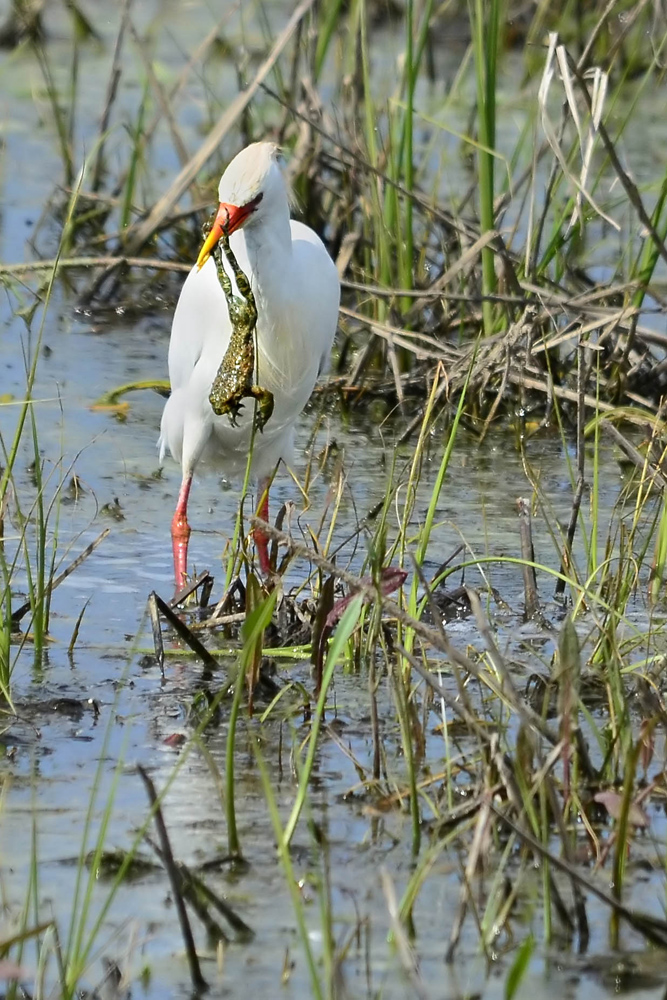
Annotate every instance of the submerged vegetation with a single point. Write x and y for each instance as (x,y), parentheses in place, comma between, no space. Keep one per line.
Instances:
(502,260)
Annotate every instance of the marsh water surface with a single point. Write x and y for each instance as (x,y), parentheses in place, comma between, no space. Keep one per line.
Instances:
(85,718)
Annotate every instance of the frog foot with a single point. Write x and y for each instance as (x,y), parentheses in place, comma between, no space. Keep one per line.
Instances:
(264,405)
(223,402)
(235,407)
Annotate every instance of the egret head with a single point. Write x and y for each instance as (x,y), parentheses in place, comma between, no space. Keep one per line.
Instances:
(249,187)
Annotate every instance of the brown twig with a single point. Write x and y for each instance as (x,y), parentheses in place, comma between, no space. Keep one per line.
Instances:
(581,474)
(531,600)
(185,633)
(196,976)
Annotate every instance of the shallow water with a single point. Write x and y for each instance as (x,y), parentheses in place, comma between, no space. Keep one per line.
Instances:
(49,777)
(57,750)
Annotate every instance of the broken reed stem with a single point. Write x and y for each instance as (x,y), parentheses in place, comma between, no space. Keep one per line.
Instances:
(190,892)
(203,580)
(157,631)
(185,633)
(566,560)
(531,600)
(652,928)
(196,976)
(150,263)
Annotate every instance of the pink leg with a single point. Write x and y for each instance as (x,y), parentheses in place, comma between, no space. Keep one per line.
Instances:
(261,539)
(180,534)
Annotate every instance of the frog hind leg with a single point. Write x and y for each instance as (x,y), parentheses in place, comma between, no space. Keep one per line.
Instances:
(242,282)
(233,409)
(265,403)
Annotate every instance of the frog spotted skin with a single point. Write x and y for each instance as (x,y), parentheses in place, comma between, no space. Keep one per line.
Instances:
(234,380)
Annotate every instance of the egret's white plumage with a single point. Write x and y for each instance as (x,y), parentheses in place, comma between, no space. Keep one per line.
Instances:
(297,291)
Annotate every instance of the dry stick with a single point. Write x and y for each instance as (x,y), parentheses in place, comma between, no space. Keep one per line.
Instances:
(107,262)
(222,906)
(198,980)
(557,296)
(209,623)
(634,455)
(576,329)
(190,895)
(572,397)
(427,293)
(77,627)
(396,372)
(531,600)
(50,587)
(186,635)
(193,889)
(158,644)
(112,89)
(140,233)
(361,364)
(203,579)
(651,927)
(566,559)
(207,587)
(433,348)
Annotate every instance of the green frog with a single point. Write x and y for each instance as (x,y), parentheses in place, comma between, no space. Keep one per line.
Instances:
(235,377)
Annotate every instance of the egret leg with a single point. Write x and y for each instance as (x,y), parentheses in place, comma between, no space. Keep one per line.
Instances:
(261,539)
(180,534)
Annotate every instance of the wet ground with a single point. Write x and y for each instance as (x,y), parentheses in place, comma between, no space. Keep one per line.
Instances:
(86,719)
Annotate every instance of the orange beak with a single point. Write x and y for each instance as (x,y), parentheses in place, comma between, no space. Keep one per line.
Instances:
(228,219)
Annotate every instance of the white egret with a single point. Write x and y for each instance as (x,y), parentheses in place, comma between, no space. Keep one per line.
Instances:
(297,293)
